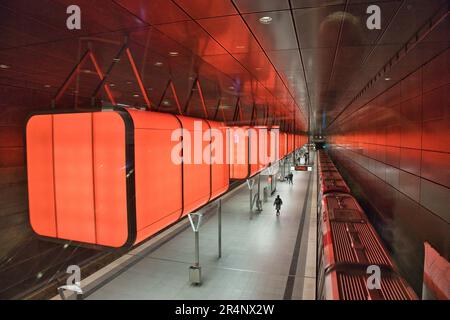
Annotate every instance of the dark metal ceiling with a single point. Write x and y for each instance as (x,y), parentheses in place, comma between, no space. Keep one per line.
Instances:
(314,57)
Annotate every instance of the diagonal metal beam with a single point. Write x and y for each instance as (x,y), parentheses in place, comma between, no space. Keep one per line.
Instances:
(68,80)
(163,95)
(102,83)
(138,78)
(188,100)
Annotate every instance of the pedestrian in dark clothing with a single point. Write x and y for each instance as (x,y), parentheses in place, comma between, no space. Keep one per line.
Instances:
(291,178)
(277,203)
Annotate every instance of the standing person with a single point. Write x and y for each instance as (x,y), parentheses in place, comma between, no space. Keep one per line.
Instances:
(307,157)
(291,178)
(277,203)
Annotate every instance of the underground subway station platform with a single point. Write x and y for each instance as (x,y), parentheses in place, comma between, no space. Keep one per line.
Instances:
(225,157)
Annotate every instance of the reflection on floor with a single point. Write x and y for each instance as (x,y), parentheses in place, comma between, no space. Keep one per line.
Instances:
(263,257)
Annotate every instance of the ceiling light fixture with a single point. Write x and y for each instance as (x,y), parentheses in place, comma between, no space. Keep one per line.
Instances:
(240,47)
(173,53)
(136,95)
(158,64)
(47,86)
(112,85)
(4,66)
(265,20)
(387,78)
(231,88)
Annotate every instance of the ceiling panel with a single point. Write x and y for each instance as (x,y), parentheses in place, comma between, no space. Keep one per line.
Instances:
(318,27)
(192,36)
(278,35)
(24,22)
(154,11)
(315,3)
(247,6)
(198,9)
(232,33)
(224,44)
(285,60)
(412,15)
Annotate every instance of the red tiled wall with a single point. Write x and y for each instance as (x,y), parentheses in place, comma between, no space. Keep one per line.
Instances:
(403,136)
(15,105)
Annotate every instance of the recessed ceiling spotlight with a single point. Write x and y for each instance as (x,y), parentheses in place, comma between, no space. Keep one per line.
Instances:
(387,78)
(129,82)
(116,59)
(240,47)
(47,86)
(4,66)
(257,69)
(158,64)
(173,53)
(166,102)
(231,88)
(112,85)
(149,89)
(265,20)
(136,95)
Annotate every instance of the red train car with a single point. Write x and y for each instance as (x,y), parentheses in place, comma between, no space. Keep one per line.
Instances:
(330,175)
(93,176)
(327,168)
(348,246)
(328,185)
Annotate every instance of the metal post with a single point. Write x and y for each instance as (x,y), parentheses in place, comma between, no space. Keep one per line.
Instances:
(258,201)
(195,271)
(250,184)
(251,199)
(259,186)
(197,249)
(220,228)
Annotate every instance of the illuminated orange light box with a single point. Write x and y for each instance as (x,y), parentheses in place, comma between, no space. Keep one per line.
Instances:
(247,148)
(108,179)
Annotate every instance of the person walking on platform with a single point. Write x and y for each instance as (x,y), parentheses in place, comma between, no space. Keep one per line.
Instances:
(291,178)
(277,203)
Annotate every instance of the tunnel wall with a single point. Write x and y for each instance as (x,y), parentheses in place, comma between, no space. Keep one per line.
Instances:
(15,106)
(395,151)
(22,257)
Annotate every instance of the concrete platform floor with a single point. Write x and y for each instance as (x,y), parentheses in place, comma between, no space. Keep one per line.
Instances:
(263,256)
